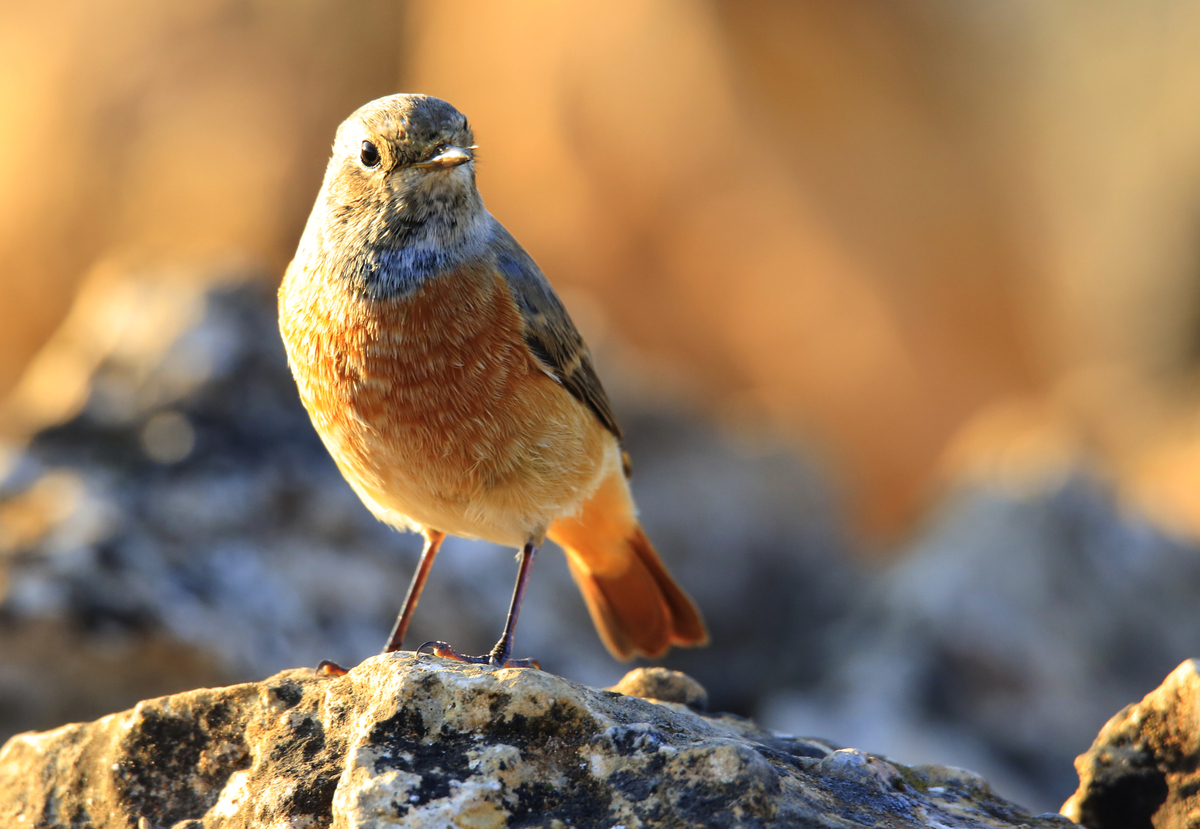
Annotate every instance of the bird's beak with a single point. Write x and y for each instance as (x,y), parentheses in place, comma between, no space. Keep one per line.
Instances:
(447,158)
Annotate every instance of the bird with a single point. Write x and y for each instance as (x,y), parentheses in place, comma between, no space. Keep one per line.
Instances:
(448,382)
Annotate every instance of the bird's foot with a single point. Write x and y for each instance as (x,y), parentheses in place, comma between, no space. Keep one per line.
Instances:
(496,658)
(328,668)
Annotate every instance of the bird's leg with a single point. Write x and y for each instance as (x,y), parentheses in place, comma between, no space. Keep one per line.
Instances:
(503,650)
(499,655)
(433,543)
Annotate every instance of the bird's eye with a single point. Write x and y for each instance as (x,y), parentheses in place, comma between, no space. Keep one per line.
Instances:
(369,154)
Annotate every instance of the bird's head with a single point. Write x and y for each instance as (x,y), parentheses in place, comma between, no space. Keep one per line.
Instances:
(402,172)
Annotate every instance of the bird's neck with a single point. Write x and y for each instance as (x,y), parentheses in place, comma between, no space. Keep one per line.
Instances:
(392,251)
(436,246)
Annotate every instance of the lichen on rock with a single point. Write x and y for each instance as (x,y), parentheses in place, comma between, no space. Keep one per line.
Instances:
(417,741)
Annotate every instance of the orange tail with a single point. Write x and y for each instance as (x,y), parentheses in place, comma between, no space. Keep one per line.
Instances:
(635,604)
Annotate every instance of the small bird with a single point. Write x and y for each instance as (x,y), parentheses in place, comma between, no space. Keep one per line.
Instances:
(450,385)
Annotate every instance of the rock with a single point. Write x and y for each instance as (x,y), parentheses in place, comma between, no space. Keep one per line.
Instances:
(1143,769)
(662,685)
(418,741)
(1011,631)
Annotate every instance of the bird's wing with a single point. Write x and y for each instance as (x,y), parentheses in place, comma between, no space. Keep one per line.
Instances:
(549,332)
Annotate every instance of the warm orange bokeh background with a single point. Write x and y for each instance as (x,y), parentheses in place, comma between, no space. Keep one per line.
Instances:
(927,238)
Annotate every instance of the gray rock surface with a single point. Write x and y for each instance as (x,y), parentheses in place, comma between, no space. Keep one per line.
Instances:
(416,741)
(1143,770)
(1006,636)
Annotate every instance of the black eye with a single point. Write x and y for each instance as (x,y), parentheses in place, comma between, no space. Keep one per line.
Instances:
(369,154)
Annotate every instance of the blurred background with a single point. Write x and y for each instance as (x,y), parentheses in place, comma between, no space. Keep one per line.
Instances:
(899,304)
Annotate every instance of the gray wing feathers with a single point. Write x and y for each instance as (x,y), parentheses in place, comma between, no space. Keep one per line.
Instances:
(549,332)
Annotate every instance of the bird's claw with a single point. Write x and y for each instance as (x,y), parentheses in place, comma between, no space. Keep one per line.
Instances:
(494,659)
(328,668)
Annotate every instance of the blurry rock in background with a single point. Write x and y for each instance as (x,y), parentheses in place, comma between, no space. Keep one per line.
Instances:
(915,279)
(1009,632)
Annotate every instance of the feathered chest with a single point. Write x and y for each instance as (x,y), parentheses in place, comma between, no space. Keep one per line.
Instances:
(442,355)
(436,410)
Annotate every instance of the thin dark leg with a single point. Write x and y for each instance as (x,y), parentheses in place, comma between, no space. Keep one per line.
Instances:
(500,654)
(433,542)
(503,649)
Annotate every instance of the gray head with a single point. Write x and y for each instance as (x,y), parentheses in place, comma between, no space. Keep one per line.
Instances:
(401,180)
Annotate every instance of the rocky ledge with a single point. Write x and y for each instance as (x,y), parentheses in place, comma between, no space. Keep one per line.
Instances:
(418,741)
(1143,770)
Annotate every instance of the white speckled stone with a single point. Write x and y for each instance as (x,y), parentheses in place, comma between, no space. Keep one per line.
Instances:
(416,741)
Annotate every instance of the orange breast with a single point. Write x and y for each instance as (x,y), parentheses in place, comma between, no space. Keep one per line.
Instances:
(435,410)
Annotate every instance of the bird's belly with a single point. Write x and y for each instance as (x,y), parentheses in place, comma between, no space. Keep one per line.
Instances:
(440,419)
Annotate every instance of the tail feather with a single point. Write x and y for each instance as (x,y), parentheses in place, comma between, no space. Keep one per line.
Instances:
(627,613)
(635,604)
(687,628)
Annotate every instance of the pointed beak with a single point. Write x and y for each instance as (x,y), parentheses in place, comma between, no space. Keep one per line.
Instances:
(447,158)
